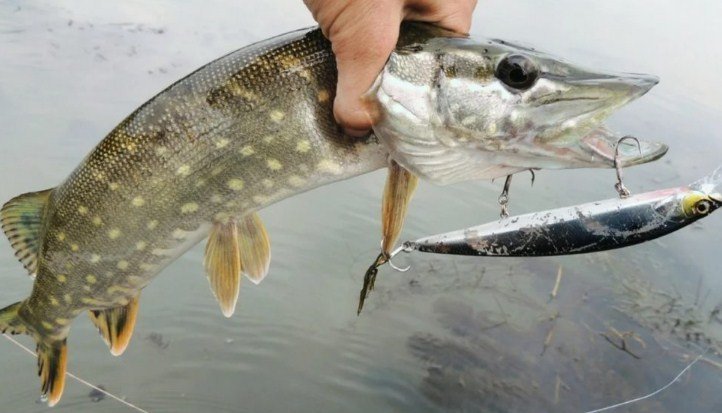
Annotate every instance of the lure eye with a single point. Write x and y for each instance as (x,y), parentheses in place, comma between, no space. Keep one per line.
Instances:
(517,72)
(702,207)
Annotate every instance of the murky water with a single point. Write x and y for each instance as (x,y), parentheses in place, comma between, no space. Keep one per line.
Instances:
(452,334)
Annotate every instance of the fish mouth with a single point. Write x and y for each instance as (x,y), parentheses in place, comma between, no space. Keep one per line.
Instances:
(617,86)
(580,100)
(601,144)
(630,85)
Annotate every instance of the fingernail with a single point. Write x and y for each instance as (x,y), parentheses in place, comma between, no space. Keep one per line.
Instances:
(356,133)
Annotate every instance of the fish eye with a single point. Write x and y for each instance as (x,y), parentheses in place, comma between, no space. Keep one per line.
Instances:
(517,71)
(702,207)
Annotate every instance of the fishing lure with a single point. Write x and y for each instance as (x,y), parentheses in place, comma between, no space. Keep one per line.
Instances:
(591,227)
(595,226)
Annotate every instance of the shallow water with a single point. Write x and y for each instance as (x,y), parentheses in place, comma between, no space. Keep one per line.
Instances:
(452,334)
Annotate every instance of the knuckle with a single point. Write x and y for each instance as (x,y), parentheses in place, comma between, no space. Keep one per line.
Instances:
(350,118)
(362,45)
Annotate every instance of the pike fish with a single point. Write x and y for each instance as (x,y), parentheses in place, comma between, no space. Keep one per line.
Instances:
(200,159)
(596,226)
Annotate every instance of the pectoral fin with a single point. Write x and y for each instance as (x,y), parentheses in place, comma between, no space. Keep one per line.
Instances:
(116,325)
(400,187)
(255,248)
(223,265)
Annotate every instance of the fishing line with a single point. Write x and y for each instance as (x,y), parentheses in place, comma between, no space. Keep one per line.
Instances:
(656,392)
(78,379)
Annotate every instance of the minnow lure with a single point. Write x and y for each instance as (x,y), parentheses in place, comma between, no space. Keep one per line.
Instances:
(596,226)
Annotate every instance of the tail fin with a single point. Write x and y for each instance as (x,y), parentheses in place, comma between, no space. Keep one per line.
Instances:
(52,354)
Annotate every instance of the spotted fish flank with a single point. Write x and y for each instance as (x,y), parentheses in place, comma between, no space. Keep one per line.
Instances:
(213,145)
(203,156)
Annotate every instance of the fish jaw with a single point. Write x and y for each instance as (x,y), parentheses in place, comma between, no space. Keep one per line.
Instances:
(446,115)
(600,148)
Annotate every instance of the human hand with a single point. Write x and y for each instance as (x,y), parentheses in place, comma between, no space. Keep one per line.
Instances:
(363,33)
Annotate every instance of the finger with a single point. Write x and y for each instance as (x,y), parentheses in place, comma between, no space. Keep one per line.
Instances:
(454,15)
(362,46)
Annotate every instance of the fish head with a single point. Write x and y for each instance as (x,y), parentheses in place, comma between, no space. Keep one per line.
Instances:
(453,109)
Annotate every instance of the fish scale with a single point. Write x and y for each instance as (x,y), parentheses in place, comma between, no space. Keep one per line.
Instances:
(116,173)
(252,128)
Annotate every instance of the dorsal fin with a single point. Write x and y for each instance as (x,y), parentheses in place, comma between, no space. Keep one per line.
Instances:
(22,219)
(255,248)
(116,325)
(223,264)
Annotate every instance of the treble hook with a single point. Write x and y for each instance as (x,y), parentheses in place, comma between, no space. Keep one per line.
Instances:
(372,272)
(504,197)
(399,269)
(370,279)
(392,255)
(619,186)
(406,247)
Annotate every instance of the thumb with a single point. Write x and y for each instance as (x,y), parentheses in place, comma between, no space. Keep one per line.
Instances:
(362,48)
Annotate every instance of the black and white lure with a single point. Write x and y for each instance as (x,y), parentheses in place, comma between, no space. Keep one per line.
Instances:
(596,226)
